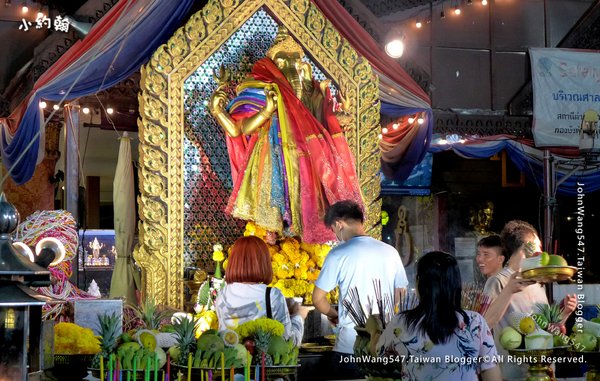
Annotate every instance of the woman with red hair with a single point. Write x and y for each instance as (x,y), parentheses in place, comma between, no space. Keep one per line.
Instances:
(246,295)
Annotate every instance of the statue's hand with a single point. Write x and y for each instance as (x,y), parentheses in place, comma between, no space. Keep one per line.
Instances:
(271,100)
(217,101)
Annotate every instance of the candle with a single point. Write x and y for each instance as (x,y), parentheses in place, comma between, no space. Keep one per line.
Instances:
(117,371)
(110,368)
(262,373)
(256,373)
(210,375)
(135,360)
(101,367)
(189,376)
(222,366)
(248,363)
(168,375)
(231,374)
(246,372)
(128,375)
(201,375)
(155,367)
(148,369)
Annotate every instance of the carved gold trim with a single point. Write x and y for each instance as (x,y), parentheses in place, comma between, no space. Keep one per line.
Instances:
(160,249)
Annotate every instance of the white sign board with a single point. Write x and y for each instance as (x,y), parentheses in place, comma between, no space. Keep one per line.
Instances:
(566,83)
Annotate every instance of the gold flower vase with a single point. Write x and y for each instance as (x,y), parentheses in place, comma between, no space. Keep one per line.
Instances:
(538,369)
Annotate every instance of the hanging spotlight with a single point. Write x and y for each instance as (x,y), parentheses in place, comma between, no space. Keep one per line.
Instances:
(24,8)
(55,107)
(395,126)
(43,104)
(420,120)
(7,3)
(110,110)
(86,110)
(442,14)
(483,2)
(395,48)
(457,10)
(384,130)
(469,2)
(411,120)
(418,24)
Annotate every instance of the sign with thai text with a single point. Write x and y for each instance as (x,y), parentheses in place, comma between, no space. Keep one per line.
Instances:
(566,83)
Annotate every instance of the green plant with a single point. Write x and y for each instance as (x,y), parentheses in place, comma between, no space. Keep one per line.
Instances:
(110,331)
(186,341)
(151,314)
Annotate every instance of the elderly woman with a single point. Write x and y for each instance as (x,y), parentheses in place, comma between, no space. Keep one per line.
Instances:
(246,296)
(438,340)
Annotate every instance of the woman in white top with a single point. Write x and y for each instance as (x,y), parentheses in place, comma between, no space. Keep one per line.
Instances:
(244,298)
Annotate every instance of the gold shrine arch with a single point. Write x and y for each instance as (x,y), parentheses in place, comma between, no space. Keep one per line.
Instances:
(161,126)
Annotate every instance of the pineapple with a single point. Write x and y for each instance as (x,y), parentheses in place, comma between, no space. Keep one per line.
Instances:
(186,340)
(151,315)
(109,333)
(553,314)
(262,341)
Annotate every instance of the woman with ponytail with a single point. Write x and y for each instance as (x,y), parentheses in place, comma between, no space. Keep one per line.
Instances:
(438,340)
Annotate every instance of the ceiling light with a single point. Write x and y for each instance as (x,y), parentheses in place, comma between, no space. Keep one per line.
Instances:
(86,110)
(457,10)
(384,130)
(483,2)
(411,120)
(418,24)
(379,136)
(55,107)
(43,104)
(109,110)
(395,48)
(420,120)
(24,8)
(395,126)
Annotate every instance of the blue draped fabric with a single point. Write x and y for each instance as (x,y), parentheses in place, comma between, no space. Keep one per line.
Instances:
(529,160)
(417,147)
(116,55)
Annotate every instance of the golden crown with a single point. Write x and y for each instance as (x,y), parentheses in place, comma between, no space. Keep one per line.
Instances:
(284,43)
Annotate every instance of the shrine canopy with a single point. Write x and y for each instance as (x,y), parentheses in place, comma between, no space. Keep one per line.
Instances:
(405,144)
(117,45)
(132,30)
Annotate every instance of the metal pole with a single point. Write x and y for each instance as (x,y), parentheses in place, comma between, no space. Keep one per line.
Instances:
(71,113)
(548,200)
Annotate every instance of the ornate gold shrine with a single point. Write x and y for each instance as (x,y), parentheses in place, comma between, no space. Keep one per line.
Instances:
(161,128)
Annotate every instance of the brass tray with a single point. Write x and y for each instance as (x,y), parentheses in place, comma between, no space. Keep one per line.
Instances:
(549,274)
(316,347)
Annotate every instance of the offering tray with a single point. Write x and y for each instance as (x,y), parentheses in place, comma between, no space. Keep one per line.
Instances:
(592,360)
(549,274)
(316,347)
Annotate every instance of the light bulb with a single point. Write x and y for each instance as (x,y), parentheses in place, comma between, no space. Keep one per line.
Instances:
(379,136)
(384,130)
(40,15)
(109,110)
(395,48)
(420,120)
(418,24)
(55,107)
(483,2)
(395,126)
(457,11)
(24,8)
(411,120)
(43,104)
(86,110)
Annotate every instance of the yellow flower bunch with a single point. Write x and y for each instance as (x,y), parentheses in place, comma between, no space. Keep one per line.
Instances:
(249,328)
(207,319)
(72,339)
(253,229)
(218,253)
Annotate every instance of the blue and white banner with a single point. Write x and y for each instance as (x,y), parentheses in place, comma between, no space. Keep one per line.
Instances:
(566,83)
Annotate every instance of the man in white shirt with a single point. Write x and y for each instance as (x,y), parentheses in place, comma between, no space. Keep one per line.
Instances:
(357,262)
